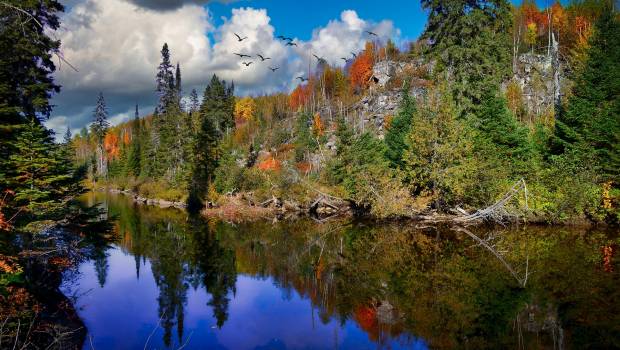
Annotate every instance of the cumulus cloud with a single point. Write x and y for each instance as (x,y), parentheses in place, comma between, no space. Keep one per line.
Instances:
(116,46)
(349,34)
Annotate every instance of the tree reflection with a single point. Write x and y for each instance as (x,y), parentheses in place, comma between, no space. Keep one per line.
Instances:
(393,281)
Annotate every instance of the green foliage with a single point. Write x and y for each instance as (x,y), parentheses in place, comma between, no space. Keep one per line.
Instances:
(471,41)
(591,124)
(399,129)
(216,115)
(303,137)
(501,138)
(440,161)
(39,175)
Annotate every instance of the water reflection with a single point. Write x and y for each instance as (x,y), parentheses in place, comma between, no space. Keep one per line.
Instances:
(174,280)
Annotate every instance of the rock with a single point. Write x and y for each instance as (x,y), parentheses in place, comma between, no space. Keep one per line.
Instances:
(386,313)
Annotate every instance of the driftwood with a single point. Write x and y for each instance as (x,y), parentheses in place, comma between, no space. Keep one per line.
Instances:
(497,211)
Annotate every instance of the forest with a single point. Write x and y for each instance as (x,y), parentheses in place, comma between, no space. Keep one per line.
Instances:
(469,123)
(497,113)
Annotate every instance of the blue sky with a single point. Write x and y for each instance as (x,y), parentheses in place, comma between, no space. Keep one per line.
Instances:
(299,18)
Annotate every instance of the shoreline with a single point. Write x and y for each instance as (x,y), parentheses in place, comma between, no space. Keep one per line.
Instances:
(238,208)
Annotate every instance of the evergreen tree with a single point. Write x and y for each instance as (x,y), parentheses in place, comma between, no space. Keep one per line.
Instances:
(99,128)
(177,80)
(439,160)
(501,137)
(303,138)
(218,104)
(471,42)
(399,129)
(38,178)
(67,137)
(26,67)
(590,127)
(164,80)
(216,112)
(135,149)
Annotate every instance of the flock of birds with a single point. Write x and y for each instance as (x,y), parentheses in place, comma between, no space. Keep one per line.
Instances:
(289,42)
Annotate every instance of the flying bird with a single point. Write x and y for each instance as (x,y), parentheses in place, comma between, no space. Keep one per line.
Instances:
(247,64)
(242,55)
(345,59)
(354,55)
(262,58)
(371,33)
(274,69)
(239,38)
(290,43)
(281,37)
(302,79)
(288,39)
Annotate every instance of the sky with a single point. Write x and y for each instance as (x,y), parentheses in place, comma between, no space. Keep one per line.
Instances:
(115,46)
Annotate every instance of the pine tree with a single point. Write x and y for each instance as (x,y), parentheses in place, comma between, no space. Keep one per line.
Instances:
(439,160)
(501,136)
(37,181)
(471,42)
(67,137)
(135,148)
(216,113)
(177,80)
(590,127)
(26,68)
(399,129)
(99,129)
(164,80)
(218,104)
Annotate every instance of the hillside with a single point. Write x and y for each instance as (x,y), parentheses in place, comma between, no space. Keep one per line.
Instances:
(409,132)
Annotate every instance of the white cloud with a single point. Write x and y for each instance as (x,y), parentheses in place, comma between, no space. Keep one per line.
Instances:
(115,44)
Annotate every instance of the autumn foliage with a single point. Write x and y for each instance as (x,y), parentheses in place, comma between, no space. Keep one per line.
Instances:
(318,128)
(110,143)
(360,71)
(301,95)
(270,164)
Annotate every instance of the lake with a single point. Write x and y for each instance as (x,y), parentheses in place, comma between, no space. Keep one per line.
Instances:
(173,281)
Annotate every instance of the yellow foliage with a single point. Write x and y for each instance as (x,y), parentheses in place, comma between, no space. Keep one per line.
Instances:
(317,125)
(244,110)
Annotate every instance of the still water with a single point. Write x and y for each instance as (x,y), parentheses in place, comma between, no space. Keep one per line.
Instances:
(171,281)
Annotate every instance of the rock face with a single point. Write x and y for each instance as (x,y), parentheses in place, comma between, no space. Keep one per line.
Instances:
(535,77)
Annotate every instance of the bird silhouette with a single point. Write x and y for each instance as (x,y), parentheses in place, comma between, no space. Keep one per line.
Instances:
(302,79)
(288,39)
(290,43)
(354,55)
(262,58)
(247,64)
(281,37)
(320,59)
(242,55)
(345,59)
(371,33)
(274,69)
(239,38)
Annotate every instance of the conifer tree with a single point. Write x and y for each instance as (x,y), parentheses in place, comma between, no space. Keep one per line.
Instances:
(135,149)
(399,129)
(471,42)
(164,80)
(590,127)
(177,80)
(26,67)
(216,112)
(439,160)
(38,178)
(99,129)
